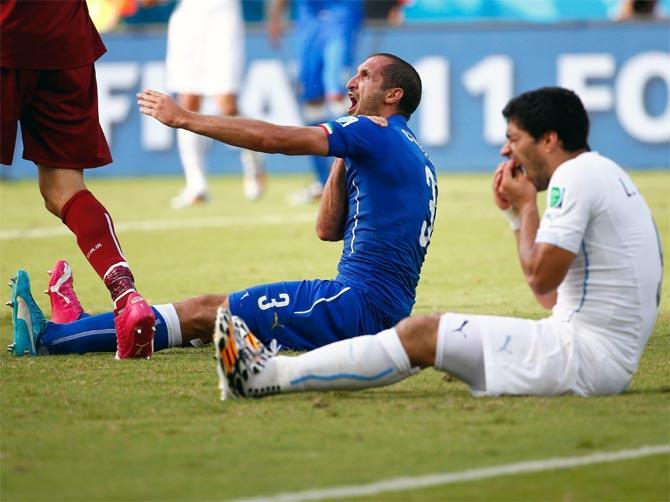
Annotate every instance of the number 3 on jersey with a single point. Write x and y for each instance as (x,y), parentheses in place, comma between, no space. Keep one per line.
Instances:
(281,301)
(427,226)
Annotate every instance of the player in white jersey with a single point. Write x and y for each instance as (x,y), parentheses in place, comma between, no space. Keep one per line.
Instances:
(205,57)
(594,258)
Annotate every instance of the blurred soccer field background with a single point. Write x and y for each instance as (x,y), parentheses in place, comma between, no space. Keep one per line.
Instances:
(91,428)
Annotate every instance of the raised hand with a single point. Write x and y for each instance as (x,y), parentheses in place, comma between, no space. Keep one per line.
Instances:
(161,107)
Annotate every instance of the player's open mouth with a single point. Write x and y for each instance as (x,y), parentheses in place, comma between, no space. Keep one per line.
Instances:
(354,102)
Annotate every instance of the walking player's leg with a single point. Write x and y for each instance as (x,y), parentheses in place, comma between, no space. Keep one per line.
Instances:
(65,195)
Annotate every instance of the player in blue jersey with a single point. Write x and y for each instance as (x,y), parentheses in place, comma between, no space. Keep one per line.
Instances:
(595,259)
(326,33)
(380,199)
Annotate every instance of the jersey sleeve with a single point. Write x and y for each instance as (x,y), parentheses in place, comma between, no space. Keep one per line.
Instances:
(571,202)
(353,137)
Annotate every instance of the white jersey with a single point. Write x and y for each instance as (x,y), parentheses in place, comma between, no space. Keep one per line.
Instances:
(611,292)
(205,49)
(204,6)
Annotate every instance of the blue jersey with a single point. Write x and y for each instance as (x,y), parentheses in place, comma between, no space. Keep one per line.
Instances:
(392,197)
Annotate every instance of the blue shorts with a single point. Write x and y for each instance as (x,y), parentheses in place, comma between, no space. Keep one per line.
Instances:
(303,315)
(326,57)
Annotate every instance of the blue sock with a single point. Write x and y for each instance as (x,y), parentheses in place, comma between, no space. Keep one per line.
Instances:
(93,333)
(322,168)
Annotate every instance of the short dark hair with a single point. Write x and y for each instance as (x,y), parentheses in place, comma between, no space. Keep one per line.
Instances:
(399,73)
(551,109)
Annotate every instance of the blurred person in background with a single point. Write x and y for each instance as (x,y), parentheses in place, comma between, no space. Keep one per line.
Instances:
(108,14)
(639,10)
(47,54)
(326,33)
(205,58)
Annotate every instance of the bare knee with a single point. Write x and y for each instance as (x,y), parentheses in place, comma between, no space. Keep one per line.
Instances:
(57,186)
(189,102)
(197,316)
(227,104)
(52,206)
(418,336)
(54,201)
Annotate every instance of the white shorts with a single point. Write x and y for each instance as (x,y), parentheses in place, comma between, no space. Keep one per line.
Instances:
(205,52)
(545,357)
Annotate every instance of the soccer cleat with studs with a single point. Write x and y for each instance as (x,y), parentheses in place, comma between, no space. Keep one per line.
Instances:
(27,318)
(65,306)
(135,329)
(225,351)
(240,356)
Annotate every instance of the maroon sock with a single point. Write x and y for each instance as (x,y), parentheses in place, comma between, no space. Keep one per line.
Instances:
(92,225)
(120,282)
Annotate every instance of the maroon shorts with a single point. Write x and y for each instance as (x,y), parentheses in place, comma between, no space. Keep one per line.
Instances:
(58,111)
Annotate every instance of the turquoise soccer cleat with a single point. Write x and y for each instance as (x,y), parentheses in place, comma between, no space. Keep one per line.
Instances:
(27,317)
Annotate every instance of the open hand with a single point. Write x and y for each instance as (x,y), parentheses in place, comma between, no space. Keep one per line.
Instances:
(161,107)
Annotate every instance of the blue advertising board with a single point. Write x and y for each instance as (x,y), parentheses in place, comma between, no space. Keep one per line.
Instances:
(621,71)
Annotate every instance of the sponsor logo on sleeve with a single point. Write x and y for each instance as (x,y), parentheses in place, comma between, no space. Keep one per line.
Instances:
(556,197)
(346,121)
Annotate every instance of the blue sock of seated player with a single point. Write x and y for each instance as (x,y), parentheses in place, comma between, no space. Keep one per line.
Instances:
(96,333)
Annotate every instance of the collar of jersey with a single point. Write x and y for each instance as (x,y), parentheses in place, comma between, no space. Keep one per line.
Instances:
(397,119)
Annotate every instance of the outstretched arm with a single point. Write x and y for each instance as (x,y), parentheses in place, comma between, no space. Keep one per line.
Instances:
(333,208)
(543,265)
(245,133)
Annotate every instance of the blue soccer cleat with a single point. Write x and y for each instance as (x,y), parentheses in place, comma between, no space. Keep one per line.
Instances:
(27,317)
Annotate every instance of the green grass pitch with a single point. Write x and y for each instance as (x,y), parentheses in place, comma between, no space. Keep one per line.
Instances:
(91,428)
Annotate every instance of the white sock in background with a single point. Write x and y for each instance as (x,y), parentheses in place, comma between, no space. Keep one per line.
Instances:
(357,363)
(192,149)
(252,162)
(253,168)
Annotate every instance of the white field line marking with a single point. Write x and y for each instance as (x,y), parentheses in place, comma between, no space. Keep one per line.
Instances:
(159,225)
(410,483)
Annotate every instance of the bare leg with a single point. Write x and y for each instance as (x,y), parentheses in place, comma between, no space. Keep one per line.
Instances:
(418,336)
(192,148)
(57,186)
(65,196)
(315,112)
(197,315)
(190,102)
(253,169)
(227,104)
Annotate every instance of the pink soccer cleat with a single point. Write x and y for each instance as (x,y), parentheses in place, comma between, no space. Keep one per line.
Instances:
(65,306)
(135,329)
